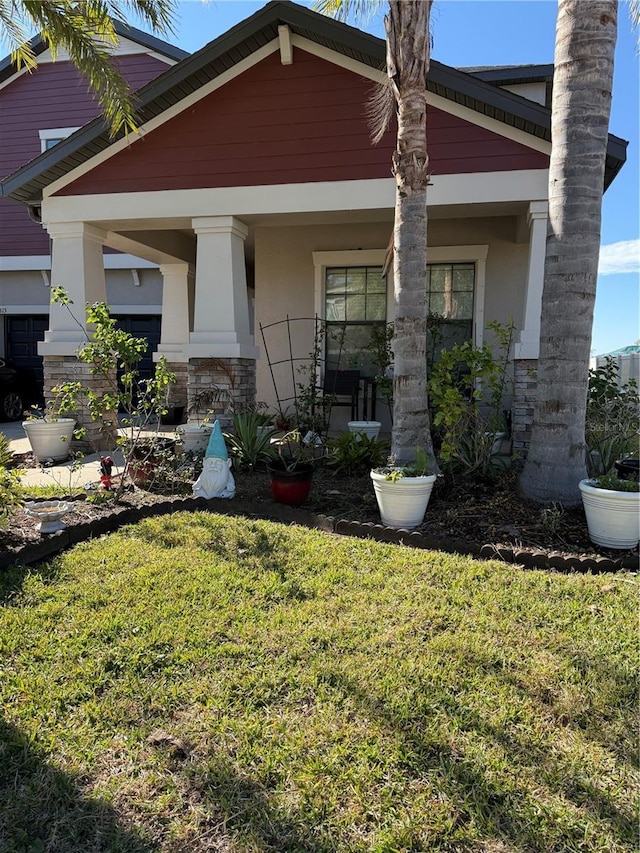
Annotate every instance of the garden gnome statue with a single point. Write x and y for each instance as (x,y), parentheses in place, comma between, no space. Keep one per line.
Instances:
(216,479)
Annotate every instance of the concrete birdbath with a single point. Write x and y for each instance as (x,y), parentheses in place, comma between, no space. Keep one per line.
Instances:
(48,514)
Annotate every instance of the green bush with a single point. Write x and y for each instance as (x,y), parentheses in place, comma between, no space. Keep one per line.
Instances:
(354,454)
(612,428)
(467,388)
(249,444)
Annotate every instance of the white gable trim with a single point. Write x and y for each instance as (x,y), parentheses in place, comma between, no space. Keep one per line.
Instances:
(440,103)
(124,47)
(167,115)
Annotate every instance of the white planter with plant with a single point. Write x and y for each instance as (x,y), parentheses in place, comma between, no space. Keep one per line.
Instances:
(50,438)
(403,491)
(612,509)
(370,428)
(194,437)
(612,505)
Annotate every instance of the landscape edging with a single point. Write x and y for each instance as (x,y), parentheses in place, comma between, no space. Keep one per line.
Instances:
(55,543)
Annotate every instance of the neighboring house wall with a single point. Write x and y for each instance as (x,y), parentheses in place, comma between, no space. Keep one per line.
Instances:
(54,95)
(299,123)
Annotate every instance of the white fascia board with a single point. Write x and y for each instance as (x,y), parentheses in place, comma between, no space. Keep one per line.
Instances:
(326,196)
(481,187)
(43,262)
(124,47)
(167,115)
(440,103)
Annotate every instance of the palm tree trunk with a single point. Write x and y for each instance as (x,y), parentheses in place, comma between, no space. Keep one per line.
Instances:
(408,55)
(583,76)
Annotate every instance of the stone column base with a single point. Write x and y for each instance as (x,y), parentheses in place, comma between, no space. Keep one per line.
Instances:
(217,386)
(525,392)
(178,393)
(67,368)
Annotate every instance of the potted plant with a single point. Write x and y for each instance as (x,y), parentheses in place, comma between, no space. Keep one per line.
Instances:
(48,431)
(612,500)
(403,491)
(370,429)
(291,471)
(282,418)
(195,435)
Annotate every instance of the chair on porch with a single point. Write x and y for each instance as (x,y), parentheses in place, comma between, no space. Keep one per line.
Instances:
(344,385)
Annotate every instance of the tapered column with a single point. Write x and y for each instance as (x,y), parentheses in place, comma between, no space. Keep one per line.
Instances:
(221,311)
(528,345)
(177,311)
(76,265)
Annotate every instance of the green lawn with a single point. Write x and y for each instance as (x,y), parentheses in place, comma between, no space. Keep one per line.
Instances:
(199,683)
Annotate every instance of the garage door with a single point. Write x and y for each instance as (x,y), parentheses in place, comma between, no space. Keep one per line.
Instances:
(22,336)
(142,327)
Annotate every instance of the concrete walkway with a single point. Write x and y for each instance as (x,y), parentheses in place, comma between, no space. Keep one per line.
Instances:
(70,475)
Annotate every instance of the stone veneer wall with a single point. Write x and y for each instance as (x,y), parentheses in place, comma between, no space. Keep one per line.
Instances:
(524,397)
(178,394)
(67,368)
(217,385)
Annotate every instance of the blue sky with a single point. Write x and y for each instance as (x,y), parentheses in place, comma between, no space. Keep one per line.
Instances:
(513,32)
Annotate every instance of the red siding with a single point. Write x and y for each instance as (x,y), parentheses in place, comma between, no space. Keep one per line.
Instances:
(278,124)
(54,95)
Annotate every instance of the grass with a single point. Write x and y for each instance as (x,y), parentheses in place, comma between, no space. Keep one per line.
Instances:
(199,683)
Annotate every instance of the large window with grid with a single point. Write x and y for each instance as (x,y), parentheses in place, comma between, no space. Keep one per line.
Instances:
(355,303)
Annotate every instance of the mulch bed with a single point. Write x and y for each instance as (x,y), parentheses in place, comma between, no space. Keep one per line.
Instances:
(482,519)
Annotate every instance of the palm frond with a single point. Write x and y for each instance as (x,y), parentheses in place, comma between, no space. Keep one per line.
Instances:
(86,31)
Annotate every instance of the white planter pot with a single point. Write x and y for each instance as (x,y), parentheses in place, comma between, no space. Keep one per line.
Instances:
(50,439)
(613,518)
(402,503)
(195,437)
(369,428)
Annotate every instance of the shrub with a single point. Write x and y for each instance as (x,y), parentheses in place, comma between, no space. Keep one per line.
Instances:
(465,380)
(612,424)
(355,454)
(249,444)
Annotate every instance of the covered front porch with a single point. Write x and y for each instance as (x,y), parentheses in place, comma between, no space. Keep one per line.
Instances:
(234,259)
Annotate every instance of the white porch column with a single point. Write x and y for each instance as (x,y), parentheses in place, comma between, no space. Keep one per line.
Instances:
(177,311)
(76,265)
(221,311)
(528,346)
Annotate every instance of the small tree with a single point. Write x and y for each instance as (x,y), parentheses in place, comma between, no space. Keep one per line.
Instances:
(142,401)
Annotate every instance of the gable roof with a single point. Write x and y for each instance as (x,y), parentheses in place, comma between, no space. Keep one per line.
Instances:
(27,184)
(8,66)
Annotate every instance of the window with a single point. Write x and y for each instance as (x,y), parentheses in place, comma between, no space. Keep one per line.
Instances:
(450,303)
(51,136)
(355,303)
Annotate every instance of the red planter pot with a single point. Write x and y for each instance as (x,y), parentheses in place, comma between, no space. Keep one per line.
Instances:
(290,487)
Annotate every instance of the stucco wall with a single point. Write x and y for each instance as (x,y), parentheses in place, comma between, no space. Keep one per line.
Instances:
(285,279)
